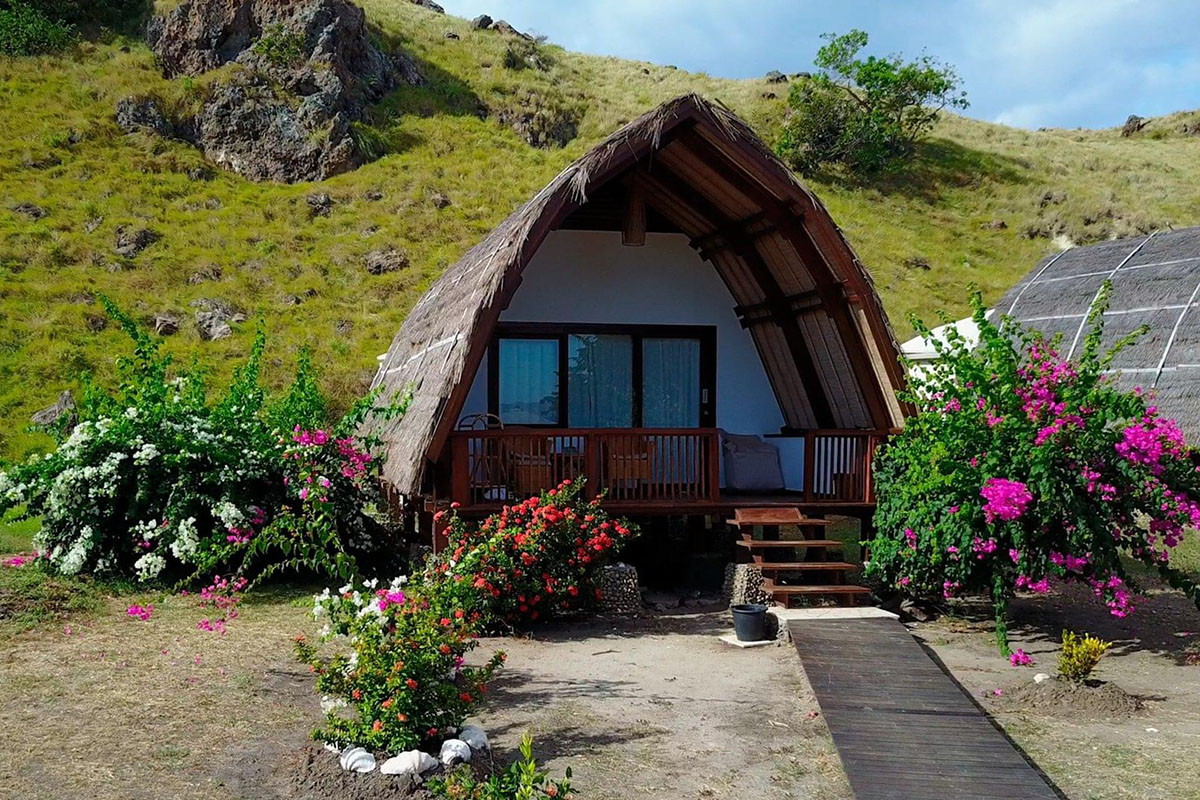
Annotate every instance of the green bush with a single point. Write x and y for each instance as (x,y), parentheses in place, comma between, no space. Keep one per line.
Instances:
(1021,466)
(523,780)
(399,681)
(864,114)
(532,559)
(156,481)
(25,31)
(280,47)
(1080,655)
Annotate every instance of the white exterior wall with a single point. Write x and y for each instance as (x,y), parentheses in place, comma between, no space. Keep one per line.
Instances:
(589,276)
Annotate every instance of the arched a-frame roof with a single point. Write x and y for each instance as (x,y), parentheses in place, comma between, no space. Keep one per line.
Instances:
(1155,282)
(811,308)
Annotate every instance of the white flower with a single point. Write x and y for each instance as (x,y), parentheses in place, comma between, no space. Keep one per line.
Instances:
(150,566)
(228,513)
(187,539)
(131,412)
(145,454)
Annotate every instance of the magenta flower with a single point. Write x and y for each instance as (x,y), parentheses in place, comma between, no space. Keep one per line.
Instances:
(1006,499)
(1020,658)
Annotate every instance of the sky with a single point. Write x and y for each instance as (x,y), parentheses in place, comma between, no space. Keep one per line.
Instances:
(1053,63)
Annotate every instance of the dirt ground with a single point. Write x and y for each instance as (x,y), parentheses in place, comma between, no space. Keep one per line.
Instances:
(660,708)
(1094,747)
(109,707)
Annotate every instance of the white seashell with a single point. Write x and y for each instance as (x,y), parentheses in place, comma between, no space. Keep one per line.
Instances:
(475,738)
(410,762)
(455,751)
(1041,677)
(333,748)
(356,759)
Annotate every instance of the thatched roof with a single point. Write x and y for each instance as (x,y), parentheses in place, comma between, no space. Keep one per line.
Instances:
(810,306)
(1155,282)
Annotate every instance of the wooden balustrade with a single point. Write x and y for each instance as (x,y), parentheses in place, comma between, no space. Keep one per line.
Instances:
(651,466)
(643,467)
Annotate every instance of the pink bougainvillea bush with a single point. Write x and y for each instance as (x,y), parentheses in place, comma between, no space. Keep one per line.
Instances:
(1023,467)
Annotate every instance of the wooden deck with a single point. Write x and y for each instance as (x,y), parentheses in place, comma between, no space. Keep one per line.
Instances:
(903,728)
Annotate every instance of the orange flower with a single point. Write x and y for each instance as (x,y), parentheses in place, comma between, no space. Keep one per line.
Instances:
(412,684)
(387,703)
(377,726)
(402,717)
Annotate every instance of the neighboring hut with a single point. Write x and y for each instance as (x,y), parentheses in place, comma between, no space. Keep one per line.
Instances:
(1155,282)
(673,287)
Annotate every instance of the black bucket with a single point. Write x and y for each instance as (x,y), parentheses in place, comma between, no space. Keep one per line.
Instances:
(749,622)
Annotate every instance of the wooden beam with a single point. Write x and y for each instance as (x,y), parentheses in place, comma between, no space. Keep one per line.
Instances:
(633,224)
(666,181)
(819,268)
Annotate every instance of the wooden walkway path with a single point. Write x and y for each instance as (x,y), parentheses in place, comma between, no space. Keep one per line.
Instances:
(903,728)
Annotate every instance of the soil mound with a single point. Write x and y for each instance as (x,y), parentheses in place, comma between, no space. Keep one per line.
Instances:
(1062,698)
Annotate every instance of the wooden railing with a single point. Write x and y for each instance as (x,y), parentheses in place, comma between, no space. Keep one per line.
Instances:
(641,466)
(837,465)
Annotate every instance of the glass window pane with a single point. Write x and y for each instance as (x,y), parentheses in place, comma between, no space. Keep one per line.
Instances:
(600,381)
(670,383)
(528,381)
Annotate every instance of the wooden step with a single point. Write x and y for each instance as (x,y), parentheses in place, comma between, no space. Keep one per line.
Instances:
(766,516)
(756,544)
(845,588)
(800,566)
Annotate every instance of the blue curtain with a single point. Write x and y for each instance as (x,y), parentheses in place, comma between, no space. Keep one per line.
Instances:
(670,383)
(529,381)
(600,381)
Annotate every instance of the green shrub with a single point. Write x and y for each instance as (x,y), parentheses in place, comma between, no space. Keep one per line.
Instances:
(523,780)
(532,559)
(1021,466)
(1080,655)
(864,114)
(156,481)
(280,47)
(25,31)
(400,681)
(29,596)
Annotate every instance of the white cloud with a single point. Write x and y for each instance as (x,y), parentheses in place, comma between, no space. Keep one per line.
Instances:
(1025,62)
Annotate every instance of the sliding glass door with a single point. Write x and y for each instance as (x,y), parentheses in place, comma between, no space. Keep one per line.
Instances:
(603,376)
(671,391)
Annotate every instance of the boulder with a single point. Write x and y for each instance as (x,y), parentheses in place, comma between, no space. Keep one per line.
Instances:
(319,204)
(284,117)
(481,23)
(96,322)
(37,212)
(214,317)
(165,323)
(132,241)
(439,200)
(1133,124)
(60,412)
(429,4)
(775,76)
(142,114)
(541,120)
(454,752)
(500,26)
(450,35)
(380,261)
(356,759)
(475,738)
(410,762)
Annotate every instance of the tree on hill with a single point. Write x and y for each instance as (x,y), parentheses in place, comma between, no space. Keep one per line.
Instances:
(864,114)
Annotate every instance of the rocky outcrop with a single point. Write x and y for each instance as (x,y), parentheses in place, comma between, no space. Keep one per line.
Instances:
(142,114)
(214,317)
(379,262)
(131,241)
(481,23)
(62,412)
(1133,124)
(310,72)
(429,4)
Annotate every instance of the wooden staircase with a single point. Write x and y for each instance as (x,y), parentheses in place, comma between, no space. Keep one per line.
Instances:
(808,571)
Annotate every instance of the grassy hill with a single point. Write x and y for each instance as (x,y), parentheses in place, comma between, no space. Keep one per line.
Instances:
(925,236)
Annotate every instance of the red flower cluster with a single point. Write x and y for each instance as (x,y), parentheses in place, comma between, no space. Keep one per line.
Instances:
(533,557)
